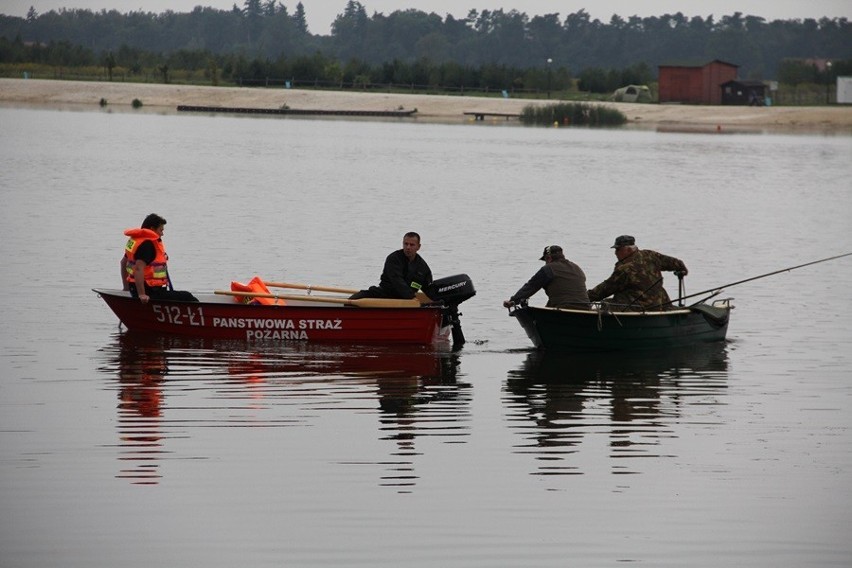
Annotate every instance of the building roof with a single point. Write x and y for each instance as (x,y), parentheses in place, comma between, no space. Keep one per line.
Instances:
(697,64)
(744,83)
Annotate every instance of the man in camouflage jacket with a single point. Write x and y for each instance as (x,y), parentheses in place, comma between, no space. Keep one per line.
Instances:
(637,281)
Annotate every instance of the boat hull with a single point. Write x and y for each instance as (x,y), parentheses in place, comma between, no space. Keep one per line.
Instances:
(592,330)
(215,318)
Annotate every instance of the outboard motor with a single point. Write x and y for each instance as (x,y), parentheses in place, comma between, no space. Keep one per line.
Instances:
(452,291)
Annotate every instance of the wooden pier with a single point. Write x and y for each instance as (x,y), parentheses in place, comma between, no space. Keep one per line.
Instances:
(479,115)
(299,112)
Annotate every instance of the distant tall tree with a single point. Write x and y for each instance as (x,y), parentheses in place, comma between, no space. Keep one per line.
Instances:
(350,27)
(300,19)
(253,13)
(109,63)
(213,70)
(252,8)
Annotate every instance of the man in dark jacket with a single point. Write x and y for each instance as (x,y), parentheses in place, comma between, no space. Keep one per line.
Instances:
(404,274)
(563,282)
(637,281)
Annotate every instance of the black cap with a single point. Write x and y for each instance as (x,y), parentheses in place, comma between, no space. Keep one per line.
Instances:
(624,241)
(551,250)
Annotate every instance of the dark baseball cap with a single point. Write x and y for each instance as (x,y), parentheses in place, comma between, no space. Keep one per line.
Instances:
(551,250)
(623,241)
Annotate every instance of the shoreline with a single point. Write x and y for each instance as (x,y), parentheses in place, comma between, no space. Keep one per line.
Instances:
(158,97)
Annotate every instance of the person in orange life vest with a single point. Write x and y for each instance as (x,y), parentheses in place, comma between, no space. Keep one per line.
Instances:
(144,270)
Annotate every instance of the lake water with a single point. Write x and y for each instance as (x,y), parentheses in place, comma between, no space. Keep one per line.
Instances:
(121,451)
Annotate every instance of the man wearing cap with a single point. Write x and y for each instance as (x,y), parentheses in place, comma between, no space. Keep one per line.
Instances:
(563,282)
(637,282)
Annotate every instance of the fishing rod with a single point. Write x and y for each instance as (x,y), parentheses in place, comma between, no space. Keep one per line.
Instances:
(718,289)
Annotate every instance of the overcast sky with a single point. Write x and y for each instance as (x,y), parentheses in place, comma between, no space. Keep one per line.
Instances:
(321,13)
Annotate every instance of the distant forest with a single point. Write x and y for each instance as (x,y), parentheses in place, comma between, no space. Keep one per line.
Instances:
(267,39)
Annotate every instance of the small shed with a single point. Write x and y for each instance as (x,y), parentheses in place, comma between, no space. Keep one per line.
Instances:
(751,93)
(695,84)
(844,90)
(632,94)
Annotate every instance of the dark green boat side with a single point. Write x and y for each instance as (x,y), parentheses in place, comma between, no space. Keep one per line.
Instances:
(599,330)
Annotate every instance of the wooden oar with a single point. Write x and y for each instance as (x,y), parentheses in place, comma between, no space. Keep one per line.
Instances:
(420,296)
(309,287)
(361,303)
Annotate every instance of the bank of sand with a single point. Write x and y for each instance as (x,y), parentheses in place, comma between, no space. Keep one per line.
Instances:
(435,108)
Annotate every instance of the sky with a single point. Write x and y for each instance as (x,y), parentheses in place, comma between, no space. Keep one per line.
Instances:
(321,13)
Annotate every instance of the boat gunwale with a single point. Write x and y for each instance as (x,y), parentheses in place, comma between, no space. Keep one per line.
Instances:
(210,298)
(654,313)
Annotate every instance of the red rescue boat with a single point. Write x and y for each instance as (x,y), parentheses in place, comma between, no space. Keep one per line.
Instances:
(311,319)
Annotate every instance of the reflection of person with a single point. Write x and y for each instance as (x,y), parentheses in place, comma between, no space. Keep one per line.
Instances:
(405,272)
(144,270)
(563,281)
(637,281)
(141,372)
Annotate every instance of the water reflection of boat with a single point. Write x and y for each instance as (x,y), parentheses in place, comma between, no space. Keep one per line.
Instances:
(272,385)
(635,402)
(560,366)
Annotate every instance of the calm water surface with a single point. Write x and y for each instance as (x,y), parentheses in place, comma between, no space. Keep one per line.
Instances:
(119,450)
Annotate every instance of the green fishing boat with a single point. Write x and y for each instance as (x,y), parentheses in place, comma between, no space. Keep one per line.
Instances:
(608,327)
(604,330)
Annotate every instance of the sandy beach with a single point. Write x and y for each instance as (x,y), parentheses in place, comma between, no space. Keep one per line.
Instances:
(434,108)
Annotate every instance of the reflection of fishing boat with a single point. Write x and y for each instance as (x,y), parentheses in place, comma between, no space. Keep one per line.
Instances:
(603,330)
(302,318)
(564,367)
(561,402)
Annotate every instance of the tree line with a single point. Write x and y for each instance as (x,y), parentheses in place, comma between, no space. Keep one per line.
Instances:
(491,49)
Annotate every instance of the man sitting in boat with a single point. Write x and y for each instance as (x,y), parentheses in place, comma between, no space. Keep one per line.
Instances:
(404,274)
(144,271)
(636,284)
(563,281)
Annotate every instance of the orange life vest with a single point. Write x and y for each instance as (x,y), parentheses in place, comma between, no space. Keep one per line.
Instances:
(156,273)
(255,285)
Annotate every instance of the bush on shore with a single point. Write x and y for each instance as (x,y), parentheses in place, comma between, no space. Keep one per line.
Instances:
(572,114)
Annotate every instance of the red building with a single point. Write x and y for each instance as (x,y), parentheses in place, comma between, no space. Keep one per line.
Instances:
(698,85)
